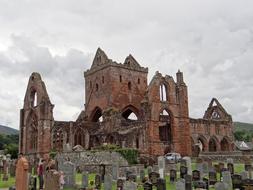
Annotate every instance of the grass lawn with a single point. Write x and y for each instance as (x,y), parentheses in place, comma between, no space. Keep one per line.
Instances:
(5,184)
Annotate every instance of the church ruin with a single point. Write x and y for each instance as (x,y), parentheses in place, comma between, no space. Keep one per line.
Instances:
(122,108)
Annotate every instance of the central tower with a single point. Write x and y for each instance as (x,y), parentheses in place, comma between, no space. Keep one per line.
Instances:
(109,84)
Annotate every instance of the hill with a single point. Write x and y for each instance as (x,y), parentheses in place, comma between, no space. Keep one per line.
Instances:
(240,126)
(7,130)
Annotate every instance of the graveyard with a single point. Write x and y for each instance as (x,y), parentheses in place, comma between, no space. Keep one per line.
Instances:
(188,174)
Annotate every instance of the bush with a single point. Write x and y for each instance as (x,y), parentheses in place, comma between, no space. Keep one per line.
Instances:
(11,149)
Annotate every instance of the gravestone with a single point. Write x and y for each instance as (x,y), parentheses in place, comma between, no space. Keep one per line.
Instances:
(153,177)
(102,171)
(115,171)
(195,175)
(68,168)
(200,185)
(183,163)
(206,180)
(52,178)
(230,167)
(85,180)
(161,166)
(183,171)
(147,186)
(180,184)
(129,185)
(227,178)
(98,181)
(188,182)
(230,160)
(237,181)
(142,175)
(221,172)
(108,182)
(149,169)
(173,176)
(247,184)
(188,164)
(128,173)
(32,183)
(22,173)
(245,175)
(132,177)
(221,186)
(120,184)
(161,184)
(212,177)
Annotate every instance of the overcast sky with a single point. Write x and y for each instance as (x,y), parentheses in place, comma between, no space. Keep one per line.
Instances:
(211,41)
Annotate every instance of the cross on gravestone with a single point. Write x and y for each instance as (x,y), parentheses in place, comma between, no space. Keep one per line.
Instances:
(161,184)
(153,177)
(180,184)
(221,186)
(237,181)
(120,183)
(173,175)
(107,182)
(98,181)
(188,182)
(147,186)
(183,171)
(212,177)
(129,185)
(230,167)
(195,175)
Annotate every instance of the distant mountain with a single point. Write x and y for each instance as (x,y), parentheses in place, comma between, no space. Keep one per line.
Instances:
(7,130)
(240,126)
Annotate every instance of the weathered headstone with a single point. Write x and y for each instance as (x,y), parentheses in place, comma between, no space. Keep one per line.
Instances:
(206,180)
(149,169)
(188,182)
(147,186)
(227,178)
(188,164)
(129,185)
(221,172)
(132,177)
(120,184)
(108,182)
(102,171)
(180,184)
(153,177)
(161,184)
(68,168)
(115,171)
(173,176)
(85,180)
(183,171)
(230,167)
(98,181)
(237,181)
(142,175)
(212,177)
(161,166)
(22,174)
(52,178)
(195,175)
(245,175)
(221,186)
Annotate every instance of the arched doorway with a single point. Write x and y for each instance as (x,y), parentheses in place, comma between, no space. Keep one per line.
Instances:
(212,145)
(224,145)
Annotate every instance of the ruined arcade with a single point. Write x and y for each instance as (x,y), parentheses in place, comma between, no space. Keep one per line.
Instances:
(122,108)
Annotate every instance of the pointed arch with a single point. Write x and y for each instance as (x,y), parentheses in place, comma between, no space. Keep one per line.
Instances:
(213,144)
(96,115)
(224,144)
(130,113)
(33,97)
(163,92)
(79,137)
(32,132)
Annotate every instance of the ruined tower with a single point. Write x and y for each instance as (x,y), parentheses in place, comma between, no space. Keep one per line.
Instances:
(36,118)
(114,85)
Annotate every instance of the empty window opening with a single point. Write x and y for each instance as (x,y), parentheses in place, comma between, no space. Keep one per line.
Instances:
(97,115)
(103,79)
(120,78)
(163,93)
(34,98)
(129,86)
(139,81)
(96,87)
(90,84)
(165,133)
(129,115)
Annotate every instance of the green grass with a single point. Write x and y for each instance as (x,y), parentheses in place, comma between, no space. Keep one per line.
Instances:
(5,184)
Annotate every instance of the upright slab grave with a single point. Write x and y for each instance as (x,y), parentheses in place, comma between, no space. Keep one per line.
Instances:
(183,171)
(161,184)
(153,177)
(212,177)
(107,182)
(237,181)
(188,182)
(195,175)
(161,166)
(68,168)
(173,176)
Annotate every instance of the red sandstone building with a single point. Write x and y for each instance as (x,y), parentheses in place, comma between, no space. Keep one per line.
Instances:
(121,108)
